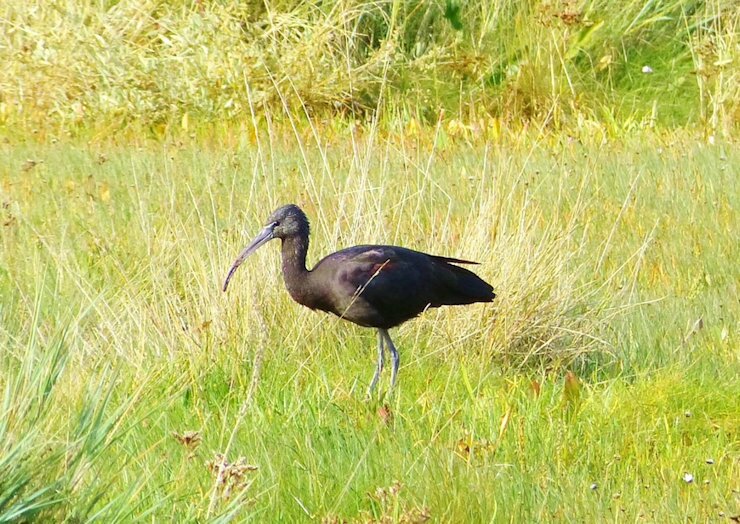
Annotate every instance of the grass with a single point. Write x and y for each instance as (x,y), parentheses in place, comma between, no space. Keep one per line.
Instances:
(108,66)
(606,371)
(144,142)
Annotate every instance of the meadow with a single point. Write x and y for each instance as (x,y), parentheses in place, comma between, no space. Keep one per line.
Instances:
(601,385)
(606,370)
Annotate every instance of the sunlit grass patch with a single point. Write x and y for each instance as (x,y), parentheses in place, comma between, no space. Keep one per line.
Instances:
(149,65)
(123,358)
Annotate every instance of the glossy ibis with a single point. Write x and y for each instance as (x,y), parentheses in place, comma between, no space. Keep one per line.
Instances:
(373,286)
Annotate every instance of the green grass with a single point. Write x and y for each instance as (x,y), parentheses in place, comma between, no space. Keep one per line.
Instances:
(590,368)
(114,65)
(140,139)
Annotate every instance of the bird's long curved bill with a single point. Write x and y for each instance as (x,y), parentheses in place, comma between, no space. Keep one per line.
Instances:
(264,236)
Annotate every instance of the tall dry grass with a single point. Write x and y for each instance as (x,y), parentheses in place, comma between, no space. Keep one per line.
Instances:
(69,64)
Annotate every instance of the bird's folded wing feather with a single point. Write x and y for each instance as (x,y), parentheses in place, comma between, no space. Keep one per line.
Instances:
(453,260)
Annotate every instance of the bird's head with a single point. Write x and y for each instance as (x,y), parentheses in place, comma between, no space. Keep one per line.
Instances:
(285,222)
(288,221)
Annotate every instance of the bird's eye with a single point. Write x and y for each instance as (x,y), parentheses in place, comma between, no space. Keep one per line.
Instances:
(276,223)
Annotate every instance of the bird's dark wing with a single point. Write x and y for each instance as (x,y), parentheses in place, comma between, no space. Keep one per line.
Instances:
(376,267)
(383,286)
(378,286)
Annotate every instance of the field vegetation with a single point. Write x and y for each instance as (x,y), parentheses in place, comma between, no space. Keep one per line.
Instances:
(105,65)
(143,143)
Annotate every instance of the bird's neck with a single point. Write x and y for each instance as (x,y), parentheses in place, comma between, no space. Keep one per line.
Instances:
(295,274)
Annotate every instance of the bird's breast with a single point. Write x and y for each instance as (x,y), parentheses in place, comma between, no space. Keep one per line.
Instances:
(308,295)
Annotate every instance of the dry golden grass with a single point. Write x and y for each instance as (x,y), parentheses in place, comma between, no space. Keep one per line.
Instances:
(71,65)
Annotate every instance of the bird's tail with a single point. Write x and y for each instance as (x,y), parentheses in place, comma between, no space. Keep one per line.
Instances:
(467,287)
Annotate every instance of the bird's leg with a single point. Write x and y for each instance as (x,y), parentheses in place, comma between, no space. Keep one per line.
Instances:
(381,363)
(394,356)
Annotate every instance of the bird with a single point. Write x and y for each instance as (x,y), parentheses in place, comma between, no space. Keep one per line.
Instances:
(374,286)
